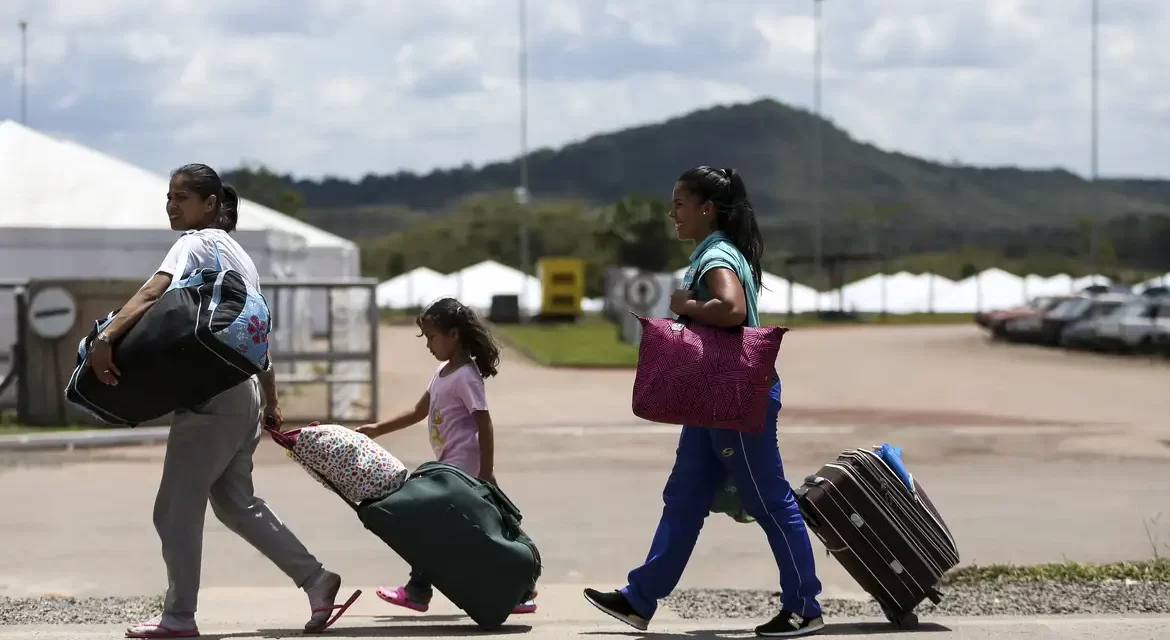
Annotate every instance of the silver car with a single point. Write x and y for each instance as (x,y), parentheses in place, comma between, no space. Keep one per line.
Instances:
(1135,326)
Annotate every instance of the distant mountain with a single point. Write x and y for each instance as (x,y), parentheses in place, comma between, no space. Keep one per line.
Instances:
(773,145)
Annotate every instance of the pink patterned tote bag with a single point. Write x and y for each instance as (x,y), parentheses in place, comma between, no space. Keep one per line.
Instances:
(705,376)
(344,460)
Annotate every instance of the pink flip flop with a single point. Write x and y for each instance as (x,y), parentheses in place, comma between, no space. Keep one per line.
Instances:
(525,607)
(153,629)
(339,608)
(399,598)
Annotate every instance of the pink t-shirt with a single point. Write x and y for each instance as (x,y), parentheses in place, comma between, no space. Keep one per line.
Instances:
(454,435)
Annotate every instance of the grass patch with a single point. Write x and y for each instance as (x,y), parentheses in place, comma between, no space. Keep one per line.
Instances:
(1157,570)
(593,341)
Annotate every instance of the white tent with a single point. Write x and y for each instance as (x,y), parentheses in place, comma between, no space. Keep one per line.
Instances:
(902,292)
(1057,285)
(777,291)
(416,288)
(475,285)
(990,289)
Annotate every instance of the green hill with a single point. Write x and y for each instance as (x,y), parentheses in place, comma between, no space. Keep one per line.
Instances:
(773,145)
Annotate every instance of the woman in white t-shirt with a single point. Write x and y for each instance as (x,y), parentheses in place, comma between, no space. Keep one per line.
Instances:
(209,448)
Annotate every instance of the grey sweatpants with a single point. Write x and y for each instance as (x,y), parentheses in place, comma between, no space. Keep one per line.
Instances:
(209,458)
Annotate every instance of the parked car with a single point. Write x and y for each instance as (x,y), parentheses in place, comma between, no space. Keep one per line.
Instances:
(1134,326)
(1081,334)
(1162,341)
(1048,328)
(994,321)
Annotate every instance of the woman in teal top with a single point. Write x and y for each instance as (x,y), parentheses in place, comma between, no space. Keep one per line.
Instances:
(711,207)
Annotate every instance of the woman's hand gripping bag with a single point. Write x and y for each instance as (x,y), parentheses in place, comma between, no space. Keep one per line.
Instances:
(341,459)
(206,334)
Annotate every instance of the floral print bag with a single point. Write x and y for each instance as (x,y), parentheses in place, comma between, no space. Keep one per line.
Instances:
(341,459)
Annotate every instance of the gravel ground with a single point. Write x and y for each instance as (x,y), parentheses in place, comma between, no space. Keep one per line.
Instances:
(988,599)
(64,610)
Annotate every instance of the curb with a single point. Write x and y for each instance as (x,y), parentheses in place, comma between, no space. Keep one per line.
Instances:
(92,439)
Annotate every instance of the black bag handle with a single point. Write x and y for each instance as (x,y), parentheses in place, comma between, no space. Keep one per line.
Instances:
(494,494)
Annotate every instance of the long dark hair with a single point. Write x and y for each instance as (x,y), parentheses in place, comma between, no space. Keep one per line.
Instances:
(447,314)
(204,181)
(734,215)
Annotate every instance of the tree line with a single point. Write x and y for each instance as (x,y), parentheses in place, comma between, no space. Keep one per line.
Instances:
(635,231)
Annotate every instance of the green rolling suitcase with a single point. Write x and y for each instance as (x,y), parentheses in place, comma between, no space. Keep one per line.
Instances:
(464,534)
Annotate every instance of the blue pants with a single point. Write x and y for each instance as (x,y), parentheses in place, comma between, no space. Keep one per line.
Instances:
(702,462)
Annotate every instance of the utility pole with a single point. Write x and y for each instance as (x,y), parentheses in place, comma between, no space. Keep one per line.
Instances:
(522,196)
(23,24)
(1094,220)
(818,223)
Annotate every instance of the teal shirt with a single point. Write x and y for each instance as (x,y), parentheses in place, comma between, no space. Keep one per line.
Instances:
(718,251)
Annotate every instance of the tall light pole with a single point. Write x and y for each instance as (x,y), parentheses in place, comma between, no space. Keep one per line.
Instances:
(1094,228)
(522,196)
(23,24)
(818,240)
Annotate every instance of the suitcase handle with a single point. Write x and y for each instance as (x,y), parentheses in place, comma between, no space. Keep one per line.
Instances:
(493,494)
(286,439)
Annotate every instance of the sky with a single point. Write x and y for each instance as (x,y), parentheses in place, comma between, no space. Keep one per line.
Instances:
(352,87)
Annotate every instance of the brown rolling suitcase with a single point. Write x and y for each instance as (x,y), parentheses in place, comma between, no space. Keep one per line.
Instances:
(889,538)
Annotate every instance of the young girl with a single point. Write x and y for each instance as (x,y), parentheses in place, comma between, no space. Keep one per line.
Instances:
(455,408)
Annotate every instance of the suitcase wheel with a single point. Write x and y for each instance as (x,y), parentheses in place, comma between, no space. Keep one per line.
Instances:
(934,596)
(905,621)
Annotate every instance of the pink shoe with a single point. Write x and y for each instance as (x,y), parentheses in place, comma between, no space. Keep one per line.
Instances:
(399,598)
(525,607)
(154,628)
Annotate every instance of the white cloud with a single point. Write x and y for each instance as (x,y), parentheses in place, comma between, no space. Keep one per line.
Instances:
(349,87)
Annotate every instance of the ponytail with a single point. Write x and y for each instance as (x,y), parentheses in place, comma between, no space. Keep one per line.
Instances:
(738,222)
(229,213)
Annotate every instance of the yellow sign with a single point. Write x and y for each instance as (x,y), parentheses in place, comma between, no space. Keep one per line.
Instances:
(562,283)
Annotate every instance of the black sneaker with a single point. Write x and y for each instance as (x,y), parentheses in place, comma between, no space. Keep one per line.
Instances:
(790,625)
(616,605)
